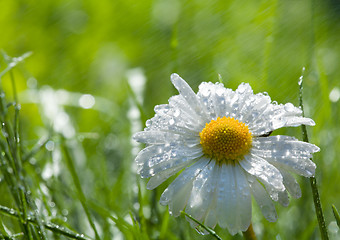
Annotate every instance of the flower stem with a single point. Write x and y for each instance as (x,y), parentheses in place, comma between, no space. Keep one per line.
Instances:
(318,209)
(249,234)
(316,196)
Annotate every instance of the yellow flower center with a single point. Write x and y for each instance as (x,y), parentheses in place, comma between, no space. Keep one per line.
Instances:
(225,139)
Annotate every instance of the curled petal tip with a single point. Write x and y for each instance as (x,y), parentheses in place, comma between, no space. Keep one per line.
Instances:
(135,136)
(174,75)
(309,122)
(175,79)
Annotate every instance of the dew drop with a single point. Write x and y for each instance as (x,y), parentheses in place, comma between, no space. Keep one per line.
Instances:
(241,88)
(219,92)
(177,113)
(301,77)
(171,121)
(64,212)
(289,107)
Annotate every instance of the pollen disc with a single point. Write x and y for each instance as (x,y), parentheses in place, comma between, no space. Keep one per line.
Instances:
(225,139)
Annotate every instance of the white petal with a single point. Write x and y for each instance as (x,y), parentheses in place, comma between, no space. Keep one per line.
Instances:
(156,137)
(262,170)
(291,184)
(253,108)
(273,192)
(224,190)
(157,158)
(243,200)
(284,142)
(297,121)
(178,192)
(160,177)
(286,151)
(278,195)
(263,200)
(283,198)
(179,200)
(277,116)
(162,137)
(244,89)
(233,199)
(147,153)
(166,119)
(214,98)
(242,102)
(211,216)
(203,192)
(184,111)
(185,90)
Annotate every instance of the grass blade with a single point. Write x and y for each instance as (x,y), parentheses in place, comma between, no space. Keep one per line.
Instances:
(315,191)
(77,184)
(336,215)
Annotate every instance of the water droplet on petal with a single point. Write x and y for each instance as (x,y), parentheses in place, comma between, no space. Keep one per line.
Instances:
(171,121)
(177,113)
(219,92)
(289,107)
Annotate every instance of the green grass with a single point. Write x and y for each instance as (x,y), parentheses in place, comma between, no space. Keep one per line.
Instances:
(66,172)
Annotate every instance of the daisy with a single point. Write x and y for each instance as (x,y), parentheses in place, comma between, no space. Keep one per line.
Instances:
(220,139)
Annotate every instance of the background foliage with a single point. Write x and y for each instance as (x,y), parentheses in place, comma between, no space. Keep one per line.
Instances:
(98,68)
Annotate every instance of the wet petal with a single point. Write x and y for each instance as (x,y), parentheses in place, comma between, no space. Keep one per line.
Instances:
(263,200)
(276,116)
(286,151)
(169,119)
(162,137)
(188,94)
(283,198)
(157,158)
(262,170)
(291,184)
(214,98)
(202,192)
(161,176)
(233,199)
(178,192)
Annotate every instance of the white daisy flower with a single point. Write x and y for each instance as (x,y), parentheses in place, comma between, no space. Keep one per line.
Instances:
(221,139)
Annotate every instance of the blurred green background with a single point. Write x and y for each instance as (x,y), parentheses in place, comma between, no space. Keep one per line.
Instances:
(96,64)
